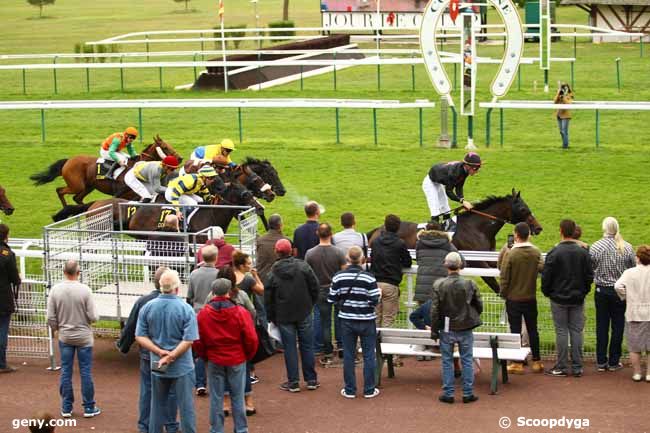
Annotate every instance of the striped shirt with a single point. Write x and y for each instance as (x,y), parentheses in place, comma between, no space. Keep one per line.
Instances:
(188,184)
(608,264)
(356,292)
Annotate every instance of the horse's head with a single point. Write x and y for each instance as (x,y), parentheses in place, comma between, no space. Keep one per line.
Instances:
(237,194)
(158,150)
(255,183)
(5,204)
(522,213)
(266,171)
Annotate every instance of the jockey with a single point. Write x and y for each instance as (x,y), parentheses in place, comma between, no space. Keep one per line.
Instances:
(112,148)
(188,189)
(145,178)
(210,152)
(447,180)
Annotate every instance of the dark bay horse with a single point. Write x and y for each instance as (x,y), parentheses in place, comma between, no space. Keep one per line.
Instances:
(80,173)
(477,232)
(5,205)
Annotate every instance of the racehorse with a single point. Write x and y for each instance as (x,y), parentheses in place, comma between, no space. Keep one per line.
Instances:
(477,229)
(5,204)
(146,218)
(80,173)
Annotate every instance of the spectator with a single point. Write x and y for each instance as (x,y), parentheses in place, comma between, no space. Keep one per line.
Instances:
(610,257)
(265,246)
(70,311)
(127,337)
(325,260)
(431,248)
(389,257)
(634,286)
(576,238)
(238,297)
(198,291)
(518,280)
(289,294)
(566,280)
(564,96)
(42,422)
(356,292)
(456,309)
(167,328)
(248,281)
(305,238)
(228,340)
(9,284)
(216,238)
(349,236)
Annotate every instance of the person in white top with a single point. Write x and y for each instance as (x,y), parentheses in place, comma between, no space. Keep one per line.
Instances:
(349,236)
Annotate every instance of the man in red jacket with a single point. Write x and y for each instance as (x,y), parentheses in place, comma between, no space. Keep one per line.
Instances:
(227,339)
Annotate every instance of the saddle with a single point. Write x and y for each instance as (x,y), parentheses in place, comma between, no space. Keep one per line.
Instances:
(103,165)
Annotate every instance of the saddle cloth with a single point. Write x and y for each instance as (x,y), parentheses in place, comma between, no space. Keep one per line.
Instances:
(103,166)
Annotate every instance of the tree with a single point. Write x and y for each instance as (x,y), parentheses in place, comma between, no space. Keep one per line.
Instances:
(40,4)
(186,2)
(285,11)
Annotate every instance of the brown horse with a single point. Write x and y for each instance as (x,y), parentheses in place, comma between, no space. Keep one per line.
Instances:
(477,231)
(5,204)
(80,173)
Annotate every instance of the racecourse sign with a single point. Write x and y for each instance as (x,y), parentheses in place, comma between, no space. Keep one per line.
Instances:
(513,49)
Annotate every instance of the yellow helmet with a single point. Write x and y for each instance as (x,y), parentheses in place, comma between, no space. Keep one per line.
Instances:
(227,143)
(131,131)
(207,171)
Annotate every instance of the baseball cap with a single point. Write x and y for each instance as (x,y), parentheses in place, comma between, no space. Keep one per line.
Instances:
(283,246)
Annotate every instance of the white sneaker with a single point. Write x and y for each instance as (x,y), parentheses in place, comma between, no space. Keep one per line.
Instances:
(647,378)
(346,395)
(374,394)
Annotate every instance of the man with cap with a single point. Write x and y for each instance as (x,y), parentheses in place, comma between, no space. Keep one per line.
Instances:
(112,147)
(290,292)
(446,180)
(220,152)
(146,178)
(456,309)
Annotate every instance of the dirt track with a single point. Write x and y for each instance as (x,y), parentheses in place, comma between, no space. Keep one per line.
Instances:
(611,401)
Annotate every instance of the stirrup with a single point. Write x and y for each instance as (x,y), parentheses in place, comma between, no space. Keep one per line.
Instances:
(449,225)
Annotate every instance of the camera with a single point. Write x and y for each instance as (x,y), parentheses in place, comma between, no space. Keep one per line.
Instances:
(511,240)
(564,89)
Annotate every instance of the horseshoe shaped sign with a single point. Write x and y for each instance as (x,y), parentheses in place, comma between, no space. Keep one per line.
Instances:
(509,64)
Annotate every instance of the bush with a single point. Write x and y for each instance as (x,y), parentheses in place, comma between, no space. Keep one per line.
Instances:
(282,24)
(217,44)
(101,49)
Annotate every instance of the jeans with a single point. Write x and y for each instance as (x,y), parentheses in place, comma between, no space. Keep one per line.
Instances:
(366,332)
(4,338)
(325,310)
(569,321)
(563,124)
(528,309)
(144,404)
(161,388)
(248,388)
(317,337)
(235,377)
(609,310)
(199,373)
(465,341)
(388,305)
(85,359)
(302,332)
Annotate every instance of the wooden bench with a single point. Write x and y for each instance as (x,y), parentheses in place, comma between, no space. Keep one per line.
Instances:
(499,347)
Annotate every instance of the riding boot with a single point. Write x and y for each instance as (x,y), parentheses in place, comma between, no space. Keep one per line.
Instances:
(448,224)
(109,174)
(145,200)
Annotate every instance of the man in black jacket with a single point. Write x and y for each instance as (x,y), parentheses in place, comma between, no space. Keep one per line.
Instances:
(446,180)
(290,292)
(388,257)
(566,280)
(9,283)
(127,338)
(456,309)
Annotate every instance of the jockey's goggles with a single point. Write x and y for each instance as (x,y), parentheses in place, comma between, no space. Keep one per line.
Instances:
(132,137)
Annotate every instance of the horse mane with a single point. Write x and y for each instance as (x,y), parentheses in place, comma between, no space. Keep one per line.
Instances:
(489,201)
(254,161)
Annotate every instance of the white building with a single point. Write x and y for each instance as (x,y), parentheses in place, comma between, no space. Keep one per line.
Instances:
(621,15)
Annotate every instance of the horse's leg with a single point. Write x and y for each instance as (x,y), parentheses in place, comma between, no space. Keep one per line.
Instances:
(79,197)
(490,281)
(61,192)
(75,184)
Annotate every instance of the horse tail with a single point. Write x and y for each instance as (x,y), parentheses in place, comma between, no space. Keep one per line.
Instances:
(70,210)
(50,174)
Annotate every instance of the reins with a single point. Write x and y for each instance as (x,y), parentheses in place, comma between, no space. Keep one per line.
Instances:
(492,217)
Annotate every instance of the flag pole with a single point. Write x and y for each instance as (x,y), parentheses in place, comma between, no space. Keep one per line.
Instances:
(223,47)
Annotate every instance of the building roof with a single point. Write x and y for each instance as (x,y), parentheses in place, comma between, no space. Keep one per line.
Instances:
(606,2)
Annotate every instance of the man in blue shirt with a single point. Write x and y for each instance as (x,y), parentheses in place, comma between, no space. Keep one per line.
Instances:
(167,328)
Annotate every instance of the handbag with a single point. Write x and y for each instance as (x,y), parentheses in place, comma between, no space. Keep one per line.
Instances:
(266,347)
